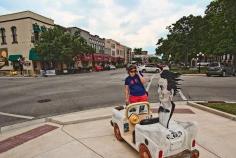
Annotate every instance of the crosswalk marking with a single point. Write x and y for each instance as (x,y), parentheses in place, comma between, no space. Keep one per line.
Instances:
(15,115)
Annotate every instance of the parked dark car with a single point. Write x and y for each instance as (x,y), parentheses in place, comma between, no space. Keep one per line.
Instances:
(220,69)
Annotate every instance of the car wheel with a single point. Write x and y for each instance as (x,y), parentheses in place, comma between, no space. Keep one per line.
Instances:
(144,71)
(117,132)
(157,71)
(195,154)
(144,152)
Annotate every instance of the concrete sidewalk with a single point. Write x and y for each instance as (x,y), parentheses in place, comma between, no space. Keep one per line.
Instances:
(88,134)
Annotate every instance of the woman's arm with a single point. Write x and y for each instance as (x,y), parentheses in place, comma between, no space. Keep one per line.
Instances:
(126,93)
(142,79)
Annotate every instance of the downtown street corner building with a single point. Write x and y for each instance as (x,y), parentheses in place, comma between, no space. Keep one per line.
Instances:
(18,32)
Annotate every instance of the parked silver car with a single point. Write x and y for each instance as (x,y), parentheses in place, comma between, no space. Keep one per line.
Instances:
(220,69)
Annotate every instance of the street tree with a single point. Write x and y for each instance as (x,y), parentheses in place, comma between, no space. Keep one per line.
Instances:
(214,33)
(137,51)
(57,46)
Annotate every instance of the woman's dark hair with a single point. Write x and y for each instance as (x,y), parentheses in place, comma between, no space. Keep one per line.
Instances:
(172,80)
(131,67)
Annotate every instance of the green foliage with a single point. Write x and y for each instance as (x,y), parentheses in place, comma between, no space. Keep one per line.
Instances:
(137,60)
(154,60)
(58,46)
(214,34)
(137,51)
(185,70)
(225,107)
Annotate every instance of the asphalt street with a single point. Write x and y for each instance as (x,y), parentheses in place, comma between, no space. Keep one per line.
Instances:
(48,96)
(42,97)
(205,88)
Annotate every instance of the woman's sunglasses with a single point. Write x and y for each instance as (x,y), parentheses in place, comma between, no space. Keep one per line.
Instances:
(134,71)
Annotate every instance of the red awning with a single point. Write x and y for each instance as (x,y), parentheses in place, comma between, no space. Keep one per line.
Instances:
(86,57)
(98,57)
(106,57)
(113,59)
(121,59)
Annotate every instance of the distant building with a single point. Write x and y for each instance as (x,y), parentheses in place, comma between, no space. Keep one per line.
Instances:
(143,56)
(97,43)
(120,53)
(18,32)
(93,40)
(83,33)
(128,55)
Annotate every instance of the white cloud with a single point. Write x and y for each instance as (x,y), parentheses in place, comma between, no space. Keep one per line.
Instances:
(63,18)
(3,11)
(139,25)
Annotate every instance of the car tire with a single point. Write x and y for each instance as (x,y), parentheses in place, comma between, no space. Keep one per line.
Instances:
(117,132)
(144,152)
(195,154)
(143,71)
(223,74)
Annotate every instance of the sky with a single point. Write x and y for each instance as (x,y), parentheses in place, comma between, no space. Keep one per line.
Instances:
(134,23)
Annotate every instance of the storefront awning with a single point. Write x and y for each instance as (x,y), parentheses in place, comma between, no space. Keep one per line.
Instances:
(98,57)
(106,57)
(86,57)
(33,55)
(113,59)
(14,57)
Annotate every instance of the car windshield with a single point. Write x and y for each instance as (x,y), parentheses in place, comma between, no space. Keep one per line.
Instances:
(214,64)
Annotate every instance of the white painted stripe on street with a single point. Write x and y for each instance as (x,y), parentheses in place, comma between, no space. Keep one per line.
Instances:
(182,95)
(149,84)
(15,115)
(231,102)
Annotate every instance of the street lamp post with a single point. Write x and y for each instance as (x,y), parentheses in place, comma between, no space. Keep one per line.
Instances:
(169,61)
(199,55)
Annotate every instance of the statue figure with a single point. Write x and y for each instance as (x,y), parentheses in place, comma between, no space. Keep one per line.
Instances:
(167,89)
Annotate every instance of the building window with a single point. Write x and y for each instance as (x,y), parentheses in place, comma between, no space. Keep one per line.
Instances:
(14,35)
(36,30)
(113,53)
(43,28)
(3,36)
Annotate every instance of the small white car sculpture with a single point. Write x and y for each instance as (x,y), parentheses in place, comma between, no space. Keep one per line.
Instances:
(135,124)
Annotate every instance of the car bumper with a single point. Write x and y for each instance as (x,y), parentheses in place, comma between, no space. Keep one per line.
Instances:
(214,72)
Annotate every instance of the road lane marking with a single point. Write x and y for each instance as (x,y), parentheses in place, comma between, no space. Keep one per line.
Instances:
(208,150)
(15,115)
(149,84)
(182,95)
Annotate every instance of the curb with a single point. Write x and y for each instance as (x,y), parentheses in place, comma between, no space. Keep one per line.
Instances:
(21,125)
(193,75)
(79,120)
(52,120)
(213,111)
